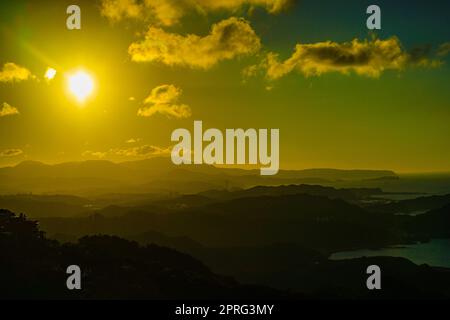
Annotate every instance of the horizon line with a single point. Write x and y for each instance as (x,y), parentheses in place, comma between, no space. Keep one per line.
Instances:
(235,167)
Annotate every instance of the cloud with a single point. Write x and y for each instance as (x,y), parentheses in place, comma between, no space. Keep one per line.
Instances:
(117,10)
(227,39)
(444,49)
(169,12)
(171,111)
(8,110)
(424,56)
(133,140)
(143,151)
(164,99)
(272,6)
(94,154)
(363,57)
(11,72)
(11,152)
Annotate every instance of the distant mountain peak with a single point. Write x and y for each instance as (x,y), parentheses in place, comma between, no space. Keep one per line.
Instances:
(30,163)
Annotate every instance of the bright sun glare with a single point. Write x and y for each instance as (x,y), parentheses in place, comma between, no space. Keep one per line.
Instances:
(50,74)
(81,85)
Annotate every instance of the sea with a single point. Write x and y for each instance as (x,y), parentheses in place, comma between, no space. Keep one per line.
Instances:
(434,253)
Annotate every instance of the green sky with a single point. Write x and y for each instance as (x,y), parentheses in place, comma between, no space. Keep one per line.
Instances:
(341,96)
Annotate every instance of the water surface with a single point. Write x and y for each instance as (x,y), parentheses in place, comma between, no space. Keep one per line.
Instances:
(435,253)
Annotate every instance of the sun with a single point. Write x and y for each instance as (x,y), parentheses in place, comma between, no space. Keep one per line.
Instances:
(81,85)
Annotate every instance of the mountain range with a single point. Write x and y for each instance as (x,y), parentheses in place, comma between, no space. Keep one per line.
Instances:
(156,175)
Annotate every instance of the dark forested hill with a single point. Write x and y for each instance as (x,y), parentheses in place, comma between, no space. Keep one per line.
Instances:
(312,221)
(34,267)
(435,222)
(417,205)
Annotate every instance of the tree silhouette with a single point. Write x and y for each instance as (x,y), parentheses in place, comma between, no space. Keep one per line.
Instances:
(35,267)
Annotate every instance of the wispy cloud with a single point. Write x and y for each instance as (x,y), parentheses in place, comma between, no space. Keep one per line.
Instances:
(117,10)
(133,140)
(444,49)
(169,12)
(11,72)
(363,57)
(11,153)
(94,154)
(272,6)
(164,100)
(8,110)
(227,39)
(140,152)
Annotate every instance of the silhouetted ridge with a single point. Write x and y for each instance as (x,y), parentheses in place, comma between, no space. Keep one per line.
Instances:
(413,205)
(155,175)
(113,268)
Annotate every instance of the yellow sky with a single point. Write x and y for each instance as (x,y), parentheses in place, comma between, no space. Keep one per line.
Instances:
(340,99)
